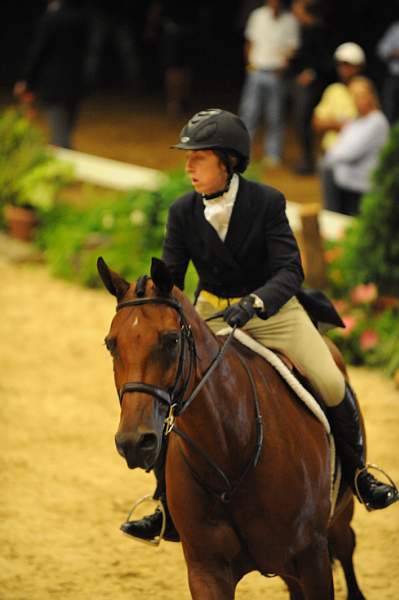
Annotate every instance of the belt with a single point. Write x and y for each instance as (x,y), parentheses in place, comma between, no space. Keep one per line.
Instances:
(216,301)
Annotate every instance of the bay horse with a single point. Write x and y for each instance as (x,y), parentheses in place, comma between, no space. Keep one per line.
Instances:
(247,467)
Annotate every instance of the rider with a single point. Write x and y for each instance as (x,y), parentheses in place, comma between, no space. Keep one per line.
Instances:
(237,234)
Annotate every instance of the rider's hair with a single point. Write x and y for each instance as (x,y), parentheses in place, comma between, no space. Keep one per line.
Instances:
(233,162)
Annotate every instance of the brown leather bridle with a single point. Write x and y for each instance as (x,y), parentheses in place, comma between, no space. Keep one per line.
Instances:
(175,400)
(175,396)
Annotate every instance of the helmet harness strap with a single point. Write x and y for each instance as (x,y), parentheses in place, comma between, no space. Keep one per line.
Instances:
(226,160)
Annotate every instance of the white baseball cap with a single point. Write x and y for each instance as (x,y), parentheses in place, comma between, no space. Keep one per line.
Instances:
(351,53)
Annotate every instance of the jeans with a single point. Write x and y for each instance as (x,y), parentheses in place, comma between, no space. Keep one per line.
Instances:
(305,99)
(331,200)
(262,95)
(62,118)
(336,198)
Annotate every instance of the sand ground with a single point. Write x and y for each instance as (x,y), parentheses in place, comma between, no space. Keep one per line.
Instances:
(64,488)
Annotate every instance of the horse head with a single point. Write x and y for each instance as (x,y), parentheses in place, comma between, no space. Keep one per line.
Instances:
(145,342)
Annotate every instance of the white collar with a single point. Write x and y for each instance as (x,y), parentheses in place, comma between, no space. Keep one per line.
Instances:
(228,196)
(218,210)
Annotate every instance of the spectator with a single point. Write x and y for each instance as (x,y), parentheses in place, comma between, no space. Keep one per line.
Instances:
(110,22)
(272,35)
(176,22)
(388,51)
(311,68)
(335,108)
(354,155)
(55,68)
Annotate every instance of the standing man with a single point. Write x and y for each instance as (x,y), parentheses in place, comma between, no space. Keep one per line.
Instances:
(311,69)
(55,68)
(272,35)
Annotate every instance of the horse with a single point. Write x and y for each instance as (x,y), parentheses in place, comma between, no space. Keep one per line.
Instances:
(247,465)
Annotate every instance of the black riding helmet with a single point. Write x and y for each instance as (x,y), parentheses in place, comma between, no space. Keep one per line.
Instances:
(219,130)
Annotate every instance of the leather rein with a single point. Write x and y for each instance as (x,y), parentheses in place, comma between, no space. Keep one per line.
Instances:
(174,398)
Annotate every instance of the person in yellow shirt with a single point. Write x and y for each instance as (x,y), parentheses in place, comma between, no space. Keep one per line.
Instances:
(335,109)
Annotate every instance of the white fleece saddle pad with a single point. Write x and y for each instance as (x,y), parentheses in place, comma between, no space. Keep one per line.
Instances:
(302,394)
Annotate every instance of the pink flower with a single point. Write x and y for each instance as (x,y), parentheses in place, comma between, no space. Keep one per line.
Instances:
(340,306)
(364,294)
(369,339)
(350,323)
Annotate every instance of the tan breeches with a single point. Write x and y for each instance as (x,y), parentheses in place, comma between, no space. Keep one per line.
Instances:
(292,332)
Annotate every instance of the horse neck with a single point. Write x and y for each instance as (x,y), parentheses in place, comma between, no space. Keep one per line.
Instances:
(205,341)
(220,418)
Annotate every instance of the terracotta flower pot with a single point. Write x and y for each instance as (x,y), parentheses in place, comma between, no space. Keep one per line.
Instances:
(21,221)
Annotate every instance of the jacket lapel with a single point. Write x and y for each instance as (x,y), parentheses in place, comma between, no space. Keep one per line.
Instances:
(241,219)
(209,235)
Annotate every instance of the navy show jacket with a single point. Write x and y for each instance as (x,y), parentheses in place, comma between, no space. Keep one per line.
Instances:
(259,255)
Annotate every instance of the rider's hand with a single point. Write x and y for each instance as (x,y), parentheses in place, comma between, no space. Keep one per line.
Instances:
(241,312)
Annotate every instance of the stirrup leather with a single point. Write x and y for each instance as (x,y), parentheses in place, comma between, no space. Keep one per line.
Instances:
(376,468)
(149,499)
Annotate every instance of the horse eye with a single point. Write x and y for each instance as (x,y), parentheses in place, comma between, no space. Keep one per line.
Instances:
(170,339)
(110,344)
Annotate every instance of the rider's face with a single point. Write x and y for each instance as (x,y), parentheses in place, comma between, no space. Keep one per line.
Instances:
(207,174)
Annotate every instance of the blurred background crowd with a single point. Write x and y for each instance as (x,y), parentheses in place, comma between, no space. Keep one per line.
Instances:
(327,71)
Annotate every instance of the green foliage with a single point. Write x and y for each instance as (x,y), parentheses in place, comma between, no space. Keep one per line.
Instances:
(371,247)
(371,336)
(363,271)
(29,173)
(126,229)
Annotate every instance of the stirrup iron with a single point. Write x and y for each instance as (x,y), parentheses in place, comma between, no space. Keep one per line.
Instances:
(149,499)
(376,468)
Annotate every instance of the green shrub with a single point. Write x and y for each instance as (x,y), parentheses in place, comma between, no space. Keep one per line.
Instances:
(363,271)
(29,173)
(371,245)
(126,229)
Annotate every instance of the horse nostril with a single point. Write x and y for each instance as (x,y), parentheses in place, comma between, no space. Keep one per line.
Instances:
(120,447)
(148,442)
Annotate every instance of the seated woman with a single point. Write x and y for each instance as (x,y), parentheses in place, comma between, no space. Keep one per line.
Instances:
(354,155)
(237,234)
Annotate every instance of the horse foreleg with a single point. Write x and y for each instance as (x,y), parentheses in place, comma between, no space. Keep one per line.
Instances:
(343,541)
(294,588)
(210,580)
(314,571)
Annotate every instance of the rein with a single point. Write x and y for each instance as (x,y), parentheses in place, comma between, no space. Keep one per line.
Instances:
(174,398)
(231,486)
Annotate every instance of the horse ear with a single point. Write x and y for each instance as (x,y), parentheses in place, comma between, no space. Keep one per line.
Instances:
(161,276)
(115,284)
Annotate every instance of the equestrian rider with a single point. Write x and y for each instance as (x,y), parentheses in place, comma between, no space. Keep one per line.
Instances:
(237,235)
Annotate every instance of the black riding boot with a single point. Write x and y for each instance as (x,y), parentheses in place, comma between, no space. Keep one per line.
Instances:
(346,428)
(149,527)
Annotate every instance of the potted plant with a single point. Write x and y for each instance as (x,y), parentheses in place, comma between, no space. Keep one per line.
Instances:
(30,175)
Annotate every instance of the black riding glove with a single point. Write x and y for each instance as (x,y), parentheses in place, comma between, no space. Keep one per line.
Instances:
(240,313)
